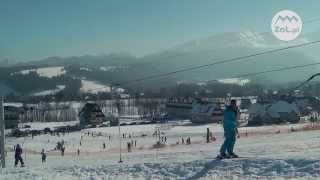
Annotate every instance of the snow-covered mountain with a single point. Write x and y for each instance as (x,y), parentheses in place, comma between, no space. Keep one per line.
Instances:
(121,67)
(231,45)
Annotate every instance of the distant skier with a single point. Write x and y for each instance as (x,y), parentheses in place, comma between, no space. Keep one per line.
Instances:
(129,146)
(62,150)
(43,156)
(230,131)
(17,156)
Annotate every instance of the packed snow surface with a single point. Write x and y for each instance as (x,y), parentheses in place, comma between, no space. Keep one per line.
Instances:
(270,152)
(93,87)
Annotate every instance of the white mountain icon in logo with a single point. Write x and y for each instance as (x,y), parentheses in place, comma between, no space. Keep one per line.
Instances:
(286,25)
(287,18)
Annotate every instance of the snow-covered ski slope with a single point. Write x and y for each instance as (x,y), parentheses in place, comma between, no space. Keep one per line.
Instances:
(269,155)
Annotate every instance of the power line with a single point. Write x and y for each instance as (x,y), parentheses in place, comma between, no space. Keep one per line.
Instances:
(311,20)
(307,81)
(218,62)
(235,59)
(202,66)
(268,71)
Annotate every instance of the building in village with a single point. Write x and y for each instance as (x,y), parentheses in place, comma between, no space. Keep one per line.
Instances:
(12,116)
(307,105)
(179,108)
(276,112)
(48,112)
(91,114)
(206,112)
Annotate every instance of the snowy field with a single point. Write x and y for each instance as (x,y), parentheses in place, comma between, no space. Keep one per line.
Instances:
(93,87)
(45,71)
(271,152)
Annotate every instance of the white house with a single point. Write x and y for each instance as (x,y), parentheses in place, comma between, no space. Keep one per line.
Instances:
(273,113)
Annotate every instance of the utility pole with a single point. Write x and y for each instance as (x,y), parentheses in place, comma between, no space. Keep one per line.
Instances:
(2,136)
(208,135)
(118,118)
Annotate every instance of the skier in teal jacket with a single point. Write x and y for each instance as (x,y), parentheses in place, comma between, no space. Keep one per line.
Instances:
(230,130)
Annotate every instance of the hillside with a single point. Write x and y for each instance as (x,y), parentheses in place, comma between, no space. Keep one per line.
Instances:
(104,70)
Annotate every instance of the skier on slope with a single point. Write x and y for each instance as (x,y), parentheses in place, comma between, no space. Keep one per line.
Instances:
(230,131)
(62,150)
(17,156)
(43,156)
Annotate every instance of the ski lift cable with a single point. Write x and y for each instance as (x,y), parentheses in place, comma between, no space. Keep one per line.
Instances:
(202,66)
(235,59)
(223,61)
(306,81)
(269,71)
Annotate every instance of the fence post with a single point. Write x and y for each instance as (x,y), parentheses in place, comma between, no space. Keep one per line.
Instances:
(2,135)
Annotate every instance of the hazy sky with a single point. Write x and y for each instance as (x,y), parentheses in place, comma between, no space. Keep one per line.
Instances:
(35,29)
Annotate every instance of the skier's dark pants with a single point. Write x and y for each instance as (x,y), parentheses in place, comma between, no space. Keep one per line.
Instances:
(17,159)
(43,159)
(230,140)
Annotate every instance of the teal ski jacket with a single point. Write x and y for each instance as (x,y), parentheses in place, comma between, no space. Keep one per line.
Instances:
(230,119)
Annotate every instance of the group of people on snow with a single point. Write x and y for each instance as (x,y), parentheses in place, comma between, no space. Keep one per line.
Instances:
(18,156)
(230,124)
